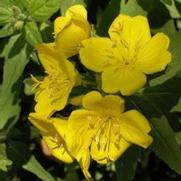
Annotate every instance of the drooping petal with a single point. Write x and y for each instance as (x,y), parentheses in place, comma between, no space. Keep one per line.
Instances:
(54,141)
(43,105)
(85,163)
(133,32)
(79,128)
(79,136)
(44,125)
(154,57)
(58,150)
(49,57)
(138,119)
(109,104)
(97,53)
(52,93)
(52,60)
(126,80)
(131,132)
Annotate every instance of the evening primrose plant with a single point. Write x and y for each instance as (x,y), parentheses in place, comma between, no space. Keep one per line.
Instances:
(99,128)
(90,90)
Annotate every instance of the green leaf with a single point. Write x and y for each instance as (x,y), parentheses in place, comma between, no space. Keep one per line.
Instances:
(18,152)
(35,167)
(7,30)
(16,55)
(22,4)
(174,13)
(6,14)
(46,30)
(65,4)
(175,65)
(169,2)
(28,86)
(131,8)
(155,103)
(4,161)
(33,36)
(42,10)
(108,16)
(168,28)
(178,137)
(177,108)
(126,165)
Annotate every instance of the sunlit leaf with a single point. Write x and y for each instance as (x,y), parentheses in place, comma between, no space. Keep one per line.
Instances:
(33,36)
(4,161)
(42,10)
(16,57)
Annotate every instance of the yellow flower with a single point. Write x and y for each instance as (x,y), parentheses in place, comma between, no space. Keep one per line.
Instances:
(53,91)
(101,131)
(53,139)
(127,56)
(71,29)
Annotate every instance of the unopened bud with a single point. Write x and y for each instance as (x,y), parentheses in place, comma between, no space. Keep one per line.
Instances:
(16,11)
(19,25)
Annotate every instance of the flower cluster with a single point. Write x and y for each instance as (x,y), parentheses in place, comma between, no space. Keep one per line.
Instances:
(99,128)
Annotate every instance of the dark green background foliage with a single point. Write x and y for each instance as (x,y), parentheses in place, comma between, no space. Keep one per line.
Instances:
(26,23)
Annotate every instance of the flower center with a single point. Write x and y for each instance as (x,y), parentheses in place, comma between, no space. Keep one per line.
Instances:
(106,133)
(58,84)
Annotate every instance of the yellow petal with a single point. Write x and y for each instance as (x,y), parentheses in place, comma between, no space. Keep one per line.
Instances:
(127,80)
(49,57)
(131,132)
(115,151)
(76,101)
(68,41)
(53,91)
(58,151)
(85,163)
(44,125)
(132,31)
(76,10)
(109,104)
(60,23)
(79,134)
(52,60)
(60,125)
(43,105)
(97,54)
(154,57)
(48,101)
(138,119)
